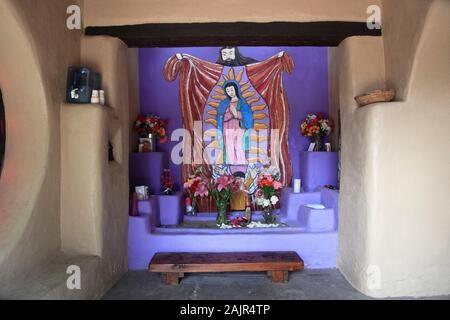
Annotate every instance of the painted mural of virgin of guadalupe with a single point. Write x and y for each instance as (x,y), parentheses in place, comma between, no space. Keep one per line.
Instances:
(239,102)
(234,122)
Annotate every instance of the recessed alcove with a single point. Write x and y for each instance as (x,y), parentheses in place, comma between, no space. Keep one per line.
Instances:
(307,90)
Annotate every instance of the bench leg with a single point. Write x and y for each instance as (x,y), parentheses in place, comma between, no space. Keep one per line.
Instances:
(279,276)
(171,278)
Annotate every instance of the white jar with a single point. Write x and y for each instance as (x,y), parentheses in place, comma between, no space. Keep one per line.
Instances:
(95,97)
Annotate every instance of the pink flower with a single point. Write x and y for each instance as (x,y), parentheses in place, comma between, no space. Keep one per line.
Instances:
(202,190)
(277,185)
(222,182)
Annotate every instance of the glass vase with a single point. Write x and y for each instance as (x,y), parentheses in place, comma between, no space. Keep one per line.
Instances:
(194,207)
(269,217)
(221,212)
(319,140)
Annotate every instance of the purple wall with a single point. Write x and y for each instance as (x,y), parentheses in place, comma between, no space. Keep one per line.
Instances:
(306,88)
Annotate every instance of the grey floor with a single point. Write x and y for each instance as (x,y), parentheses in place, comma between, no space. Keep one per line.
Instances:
(303,285)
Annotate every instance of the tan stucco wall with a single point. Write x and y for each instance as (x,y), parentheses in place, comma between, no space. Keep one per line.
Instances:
(84,135)
(402,25)
(360,62)
(110,57)
(35,50)
(94,190)
(134,98)
(411,228)
(119,12)
(38,238)
(394,216)
(333,95)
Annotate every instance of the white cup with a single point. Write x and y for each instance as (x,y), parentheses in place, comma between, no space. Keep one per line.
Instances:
(95,97)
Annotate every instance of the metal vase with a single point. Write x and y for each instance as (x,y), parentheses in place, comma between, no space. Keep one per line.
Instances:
(319,140)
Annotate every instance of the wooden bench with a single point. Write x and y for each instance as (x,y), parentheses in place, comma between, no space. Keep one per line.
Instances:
(173,266)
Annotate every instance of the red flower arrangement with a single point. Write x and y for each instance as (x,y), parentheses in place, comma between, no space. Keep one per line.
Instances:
(315,124)
(267,195)
(153,124)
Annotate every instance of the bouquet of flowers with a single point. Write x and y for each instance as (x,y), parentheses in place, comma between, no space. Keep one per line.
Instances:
(196,187)
(153,124)
(315,127)
(315,124)
(267,194)
(221,189)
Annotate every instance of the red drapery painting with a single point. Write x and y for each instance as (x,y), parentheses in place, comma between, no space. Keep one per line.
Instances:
(197,78)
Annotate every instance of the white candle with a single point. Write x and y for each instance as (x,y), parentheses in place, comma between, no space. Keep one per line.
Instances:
(297,185)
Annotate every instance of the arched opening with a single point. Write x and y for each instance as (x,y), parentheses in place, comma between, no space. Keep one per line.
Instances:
(2,132)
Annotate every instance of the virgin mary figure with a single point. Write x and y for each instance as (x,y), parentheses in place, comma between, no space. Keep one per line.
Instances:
(234,122)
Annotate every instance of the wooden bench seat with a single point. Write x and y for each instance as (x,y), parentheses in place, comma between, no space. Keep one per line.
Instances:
(173,266)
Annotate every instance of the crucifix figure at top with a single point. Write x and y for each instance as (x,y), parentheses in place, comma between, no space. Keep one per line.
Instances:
(231,57)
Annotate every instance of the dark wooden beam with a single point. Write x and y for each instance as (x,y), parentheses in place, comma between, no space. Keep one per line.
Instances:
(329,33)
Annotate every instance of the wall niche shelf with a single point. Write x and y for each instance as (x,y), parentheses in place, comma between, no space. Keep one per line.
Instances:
(103,119)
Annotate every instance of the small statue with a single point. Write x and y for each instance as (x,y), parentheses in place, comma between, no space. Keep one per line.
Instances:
(167,183)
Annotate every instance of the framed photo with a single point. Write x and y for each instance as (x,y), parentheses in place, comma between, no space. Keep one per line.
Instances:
(146,145)
(312,145)
(142,193)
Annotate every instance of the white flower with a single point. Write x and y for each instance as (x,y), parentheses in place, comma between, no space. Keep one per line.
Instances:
(274,200)
(258,224)
(259,201)
(266,203)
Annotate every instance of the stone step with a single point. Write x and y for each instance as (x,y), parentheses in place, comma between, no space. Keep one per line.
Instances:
(317,220)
